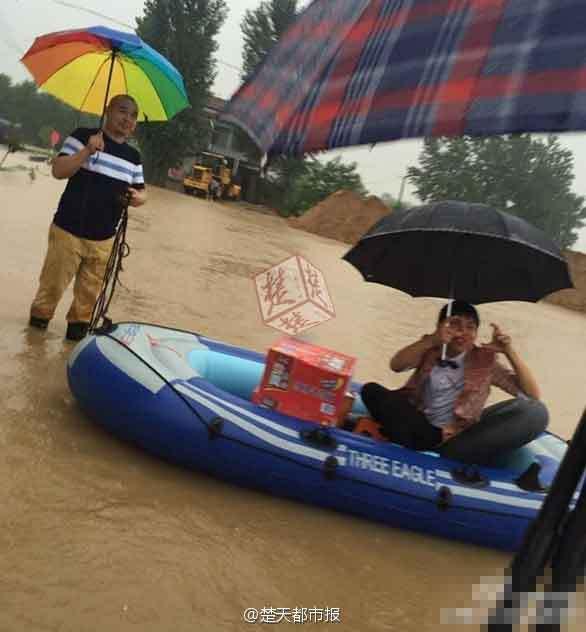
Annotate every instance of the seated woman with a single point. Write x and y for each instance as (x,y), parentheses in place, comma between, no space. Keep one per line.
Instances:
(441,405)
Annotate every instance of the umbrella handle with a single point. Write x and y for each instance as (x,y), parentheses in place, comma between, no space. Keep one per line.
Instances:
(112,61)
(449,311)
(444,345)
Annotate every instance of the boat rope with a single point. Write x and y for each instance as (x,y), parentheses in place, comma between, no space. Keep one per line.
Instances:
(120,250)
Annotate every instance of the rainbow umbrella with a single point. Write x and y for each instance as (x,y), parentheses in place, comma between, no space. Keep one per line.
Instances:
(82,67)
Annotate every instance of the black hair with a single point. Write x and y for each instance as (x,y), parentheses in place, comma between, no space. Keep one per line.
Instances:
(459,308)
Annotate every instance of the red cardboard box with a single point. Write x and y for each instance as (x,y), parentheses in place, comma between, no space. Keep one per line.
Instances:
(306,381)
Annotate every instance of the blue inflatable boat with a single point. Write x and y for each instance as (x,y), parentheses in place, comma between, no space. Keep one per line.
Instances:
(187,398)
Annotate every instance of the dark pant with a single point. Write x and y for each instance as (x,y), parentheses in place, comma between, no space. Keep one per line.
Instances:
(401,422)
(502,427)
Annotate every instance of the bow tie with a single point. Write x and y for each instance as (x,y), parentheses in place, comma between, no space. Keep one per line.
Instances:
(446,362)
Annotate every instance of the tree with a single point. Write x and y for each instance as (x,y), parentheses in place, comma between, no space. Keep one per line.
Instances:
(44,135)
(183,31)
(262,28)
(23,104)
(319,180)
(526,176)
(5,85)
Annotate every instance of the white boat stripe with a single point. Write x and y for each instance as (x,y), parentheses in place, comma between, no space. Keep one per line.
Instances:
(498,499)
(202,397)
(498,484)
(511,487)
(263,420)
(283,444)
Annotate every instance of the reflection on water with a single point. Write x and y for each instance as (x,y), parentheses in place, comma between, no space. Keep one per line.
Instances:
(96,535)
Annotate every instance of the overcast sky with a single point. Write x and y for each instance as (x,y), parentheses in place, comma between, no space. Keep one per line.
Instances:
(381,168)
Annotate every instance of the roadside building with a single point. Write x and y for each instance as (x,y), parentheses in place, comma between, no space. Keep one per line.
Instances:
(232,142)
(229,142)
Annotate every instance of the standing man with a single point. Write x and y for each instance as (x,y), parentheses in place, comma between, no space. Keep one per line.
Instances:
(101,168)
(213,190)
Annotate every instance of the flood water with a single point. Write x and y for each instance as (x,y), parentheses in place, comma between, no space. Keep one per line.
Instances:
(95,535)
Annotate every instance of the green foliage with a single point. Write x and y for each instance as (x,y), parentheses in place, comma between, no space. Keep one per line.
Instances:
(262,28)
(317,181)
(526,176)
(23,104)
(185,32)
(44,135)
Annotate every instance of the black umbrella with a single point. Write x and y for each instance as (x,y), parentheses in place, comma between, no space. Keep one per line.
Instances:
(459,250)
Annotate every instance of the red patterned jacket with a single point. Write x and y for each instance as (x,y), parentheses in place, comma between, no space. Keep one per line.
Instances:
(481,370)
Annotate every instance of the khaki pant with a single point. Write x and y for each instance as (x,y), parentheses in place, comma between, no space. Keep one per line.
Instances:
(67,257)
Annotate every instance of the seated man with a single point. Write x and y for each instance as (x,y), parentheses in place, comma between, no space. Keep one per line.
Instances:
(441,405)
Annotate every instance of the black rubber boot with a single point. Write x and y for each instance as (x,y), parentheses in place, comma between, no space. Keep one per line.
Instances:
(39,323)
(77,331)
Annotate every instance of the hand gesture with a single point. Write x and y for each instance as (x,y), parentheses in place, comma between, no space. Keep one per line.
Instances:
(500,342)
(133,196)
(95,143)
(444,333)
(449,430)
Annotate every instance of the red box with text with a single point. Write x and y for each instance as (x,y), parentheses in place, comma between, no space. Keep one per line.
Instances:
(306,381)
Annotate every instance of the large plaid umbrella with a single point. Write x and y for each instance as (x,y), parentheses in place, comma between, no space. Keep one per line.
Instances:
(352,72)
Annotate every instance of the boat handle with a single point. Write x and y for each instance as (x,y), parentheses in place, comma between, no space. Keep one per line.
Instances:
(444,498)
(320,437)
(469,475)
(330,467)
(530,481)
(215,427)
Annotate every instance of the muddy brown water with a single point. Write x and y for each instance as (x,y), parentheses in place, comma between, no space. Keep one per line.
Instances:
(96,535)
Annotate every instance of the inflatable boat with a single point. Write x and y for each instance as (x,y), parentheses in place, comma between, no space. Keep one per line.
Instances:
(187,398)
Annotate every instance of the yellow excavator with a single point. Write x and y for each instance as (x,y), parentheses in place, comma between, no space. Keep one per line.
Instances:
(209,166)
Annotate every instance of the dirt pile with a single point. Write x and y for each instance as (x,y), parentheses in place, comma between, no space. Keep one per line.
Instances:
(344,216)
(576,298)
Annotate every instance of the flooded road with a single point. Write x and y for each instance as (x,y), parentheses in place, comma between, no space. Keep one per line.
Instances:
(95,535)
